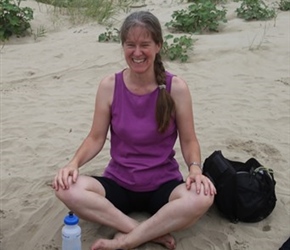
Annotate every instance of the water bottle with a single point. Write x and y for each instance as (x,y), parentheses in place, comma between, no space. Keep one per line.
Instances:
(71,233)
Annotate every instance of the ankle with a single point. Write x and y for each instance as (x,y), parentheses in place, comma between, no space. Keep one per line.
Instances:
(123,242)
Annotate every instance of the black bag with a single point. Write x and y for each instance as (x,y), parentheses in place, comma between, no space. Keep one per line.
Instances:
(245,191)
(286,245)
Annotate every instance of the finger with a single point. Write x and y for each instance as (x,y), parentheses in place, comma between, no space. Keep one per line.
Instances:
(198,184)
(75,175)
(61,178)
(213,189)
(211,186)
(64,179)
(188,183)
(206,186)
(55,183)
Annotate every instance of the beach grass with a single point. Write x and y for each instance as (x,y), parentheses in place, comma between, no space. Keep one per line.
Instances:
(81,11)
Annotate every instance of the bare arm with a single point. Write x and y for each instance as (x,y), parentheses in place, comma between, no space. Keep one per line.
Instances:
(188,140)
(185,123)
(96,138)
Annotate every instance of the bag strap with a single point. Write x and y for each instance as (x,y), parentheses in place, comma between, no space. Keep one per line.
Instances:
(262,168)
(268,171)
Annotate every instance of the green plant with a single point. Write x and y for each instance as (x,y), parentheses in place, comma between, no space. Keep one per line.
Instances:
(177,47)
(40,32)
(256,43)
(110,35)
(214,1)
(14,20)
(284,5)
(198,17)
(255,10)
(81,11)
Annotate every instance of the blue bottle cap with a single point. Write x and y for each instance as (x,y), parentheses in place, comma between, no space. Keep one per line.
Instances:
(71,219)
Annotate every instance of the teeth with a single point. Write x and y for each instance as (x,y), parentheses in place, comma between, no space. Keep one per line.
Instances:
(138,61)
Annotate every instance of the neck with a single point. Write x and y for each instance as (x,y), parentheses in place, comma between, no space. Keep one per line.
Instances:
(139,83)
(144,79)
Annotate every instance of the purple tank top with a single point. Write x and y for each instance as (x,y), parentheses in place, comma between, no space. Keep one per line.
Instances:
(142,158)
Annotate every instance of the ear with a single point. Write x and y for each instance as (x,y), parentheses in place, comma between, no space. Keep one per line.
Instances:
(158,47)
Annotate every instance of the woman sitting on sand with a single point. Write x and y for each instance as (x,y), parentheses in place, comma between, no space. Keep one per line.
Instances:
(145,108)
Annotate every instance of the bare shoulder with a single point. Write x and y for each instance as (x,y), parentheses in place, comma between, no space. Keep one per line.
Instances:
(105,91)
(179,87)
(107,83)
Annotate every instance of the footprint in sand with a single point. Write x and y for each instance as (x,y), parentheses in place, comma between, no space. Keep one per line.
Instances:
(256,149)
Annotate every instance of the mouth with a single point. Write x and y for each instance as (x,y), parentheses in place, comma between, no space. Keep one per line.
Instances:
(138,61)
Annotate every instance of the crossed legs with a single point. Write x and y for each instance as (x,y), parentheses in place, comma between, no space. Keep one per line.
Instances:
(87,199)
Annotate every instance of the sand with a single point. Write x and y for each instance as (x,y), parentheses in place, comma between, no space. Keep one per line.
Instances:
(239,79)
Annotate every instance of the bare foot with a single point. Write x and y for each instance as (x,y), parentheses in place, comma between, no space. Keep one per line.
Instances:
(167,240)
(103,244)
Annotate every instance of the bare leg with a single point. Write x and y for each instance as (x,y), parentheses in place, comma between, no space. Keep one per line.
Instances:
(86,198)
(184,209)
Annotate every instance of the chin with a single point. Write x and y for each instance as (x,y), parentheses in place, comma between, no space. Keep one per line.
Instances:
(139,68)
(139,71)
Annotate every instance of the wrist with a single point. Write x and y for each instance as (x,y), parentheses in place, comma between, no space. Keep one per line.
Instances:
(194,163)
(74,163)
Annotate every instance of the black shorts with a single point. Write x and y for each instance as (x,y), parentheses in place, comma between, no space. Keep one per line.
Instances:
(129,201)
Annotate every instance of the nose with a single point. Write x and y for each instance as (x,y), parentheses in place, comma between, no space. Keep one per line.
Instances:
(137,51)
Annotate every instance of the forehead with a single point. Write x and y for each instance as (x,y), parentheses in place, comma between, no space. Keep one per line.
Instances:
(138,33)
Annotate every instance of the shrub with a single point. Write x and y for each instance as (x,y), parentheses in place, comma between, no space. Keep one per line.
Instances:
(14,20)
(284,5)
(198,18)
(84,10)
(177,47)
(110,35)
(214,1)
(255,10)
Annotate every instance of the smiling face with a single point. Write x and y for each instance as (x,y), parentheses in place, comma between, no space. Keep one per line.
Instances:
(140,49)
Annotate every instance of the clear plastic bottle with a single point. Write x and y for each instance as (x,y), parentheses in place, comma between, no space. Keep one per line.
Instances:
(71,233)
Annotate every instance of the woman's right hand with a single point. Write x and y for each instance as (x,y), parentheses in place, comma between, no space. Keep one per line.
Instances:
(62,176)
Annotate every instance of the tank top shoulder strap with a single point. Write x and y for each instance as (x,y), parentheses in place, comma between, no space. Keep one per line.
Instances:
(119,77)
(119,80)
(118,88)
(169,77)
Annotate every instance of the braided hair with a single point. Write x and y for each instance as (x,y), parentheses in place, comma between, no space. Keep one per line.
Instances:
(165,106)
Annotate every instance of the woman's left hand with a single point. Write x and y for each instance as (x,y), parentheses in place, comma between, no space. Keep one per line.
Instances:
(199,179)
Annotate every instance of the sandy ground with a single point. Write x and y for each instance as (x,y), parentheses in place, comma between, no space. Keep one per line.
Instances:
(239,79)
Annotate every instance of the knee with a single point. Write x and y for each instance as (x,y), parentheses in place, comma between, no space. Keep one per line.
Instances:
(203,203)
(64,195)
(206,201)
(200,203)
(68,196)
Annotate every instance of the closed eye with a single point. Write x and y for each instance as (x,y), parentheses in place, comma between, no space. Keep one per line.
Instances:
(130,44)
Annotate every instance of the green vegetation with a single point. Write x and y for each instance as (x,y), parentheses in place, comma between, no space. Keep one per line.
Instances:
(85,10)
(284,5)
(14,20)
(40,32)
(177,47)
(255,10)
(213,1)
(110,35)
(199,17)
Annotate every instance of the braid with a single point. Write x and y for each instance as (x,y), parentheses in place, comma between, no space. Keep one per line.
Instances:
(165,107)
(165,104)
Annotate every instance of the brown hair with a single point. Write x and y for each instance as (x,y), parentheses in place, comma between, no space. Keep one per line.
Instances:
(165,107)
